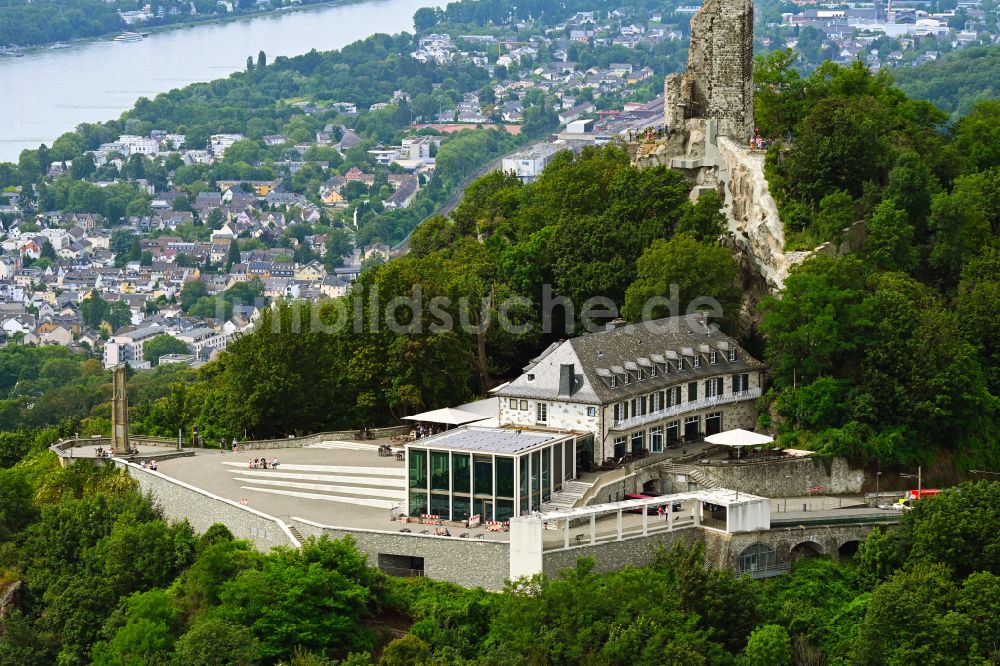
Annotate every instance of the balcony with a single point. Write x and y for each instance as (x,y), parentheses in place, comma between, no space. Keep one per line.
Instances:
(683,408)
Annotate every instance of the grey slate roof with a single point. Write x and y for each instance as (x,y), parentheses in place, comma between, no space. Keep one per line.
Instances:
(599,356)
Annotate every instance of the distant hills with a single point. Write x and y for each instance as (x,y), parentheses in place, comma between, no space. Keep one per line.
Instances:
(956,81)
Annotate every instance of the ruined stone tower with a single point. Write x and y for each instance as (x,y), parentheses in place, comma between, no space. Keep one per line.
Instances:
(718,83)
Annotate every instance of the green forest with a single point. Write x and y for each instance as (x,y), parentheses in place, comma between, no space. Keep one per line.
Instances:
(957,82)
(909,201)
(106,580)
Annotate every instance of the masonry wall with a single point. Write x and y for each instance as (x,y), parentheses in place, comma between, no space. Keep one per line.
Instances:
(561,415)
(180,501)
(468,562)
(787,478)
(722,550)
(613,555)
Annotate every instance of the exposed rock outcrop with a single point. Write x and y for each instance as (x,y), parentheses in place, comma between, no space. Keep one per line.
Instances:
(753,214)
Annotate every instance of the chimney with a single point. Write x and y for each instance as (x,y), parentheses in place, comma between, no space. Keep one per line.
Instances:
(567,379)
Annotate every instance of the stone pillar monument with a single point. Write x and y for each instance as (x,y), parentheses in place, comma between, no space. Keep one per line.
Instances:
(119,411)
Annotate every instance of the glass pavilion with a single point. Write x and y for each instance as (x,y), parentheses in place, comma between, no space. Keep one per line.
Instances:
(494,472)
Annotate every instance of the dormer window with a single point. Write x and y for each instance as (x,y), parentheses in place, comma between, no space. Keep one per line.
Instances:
(640,375)
(614,381)
(531,377)
(627,378)
(697,361)
(653,371)
(732,354)
(712,357)
(680,364)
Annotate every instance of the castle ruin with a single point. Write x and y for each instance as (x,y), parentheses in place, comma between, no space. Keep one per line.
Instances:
(718,83)
(708,112)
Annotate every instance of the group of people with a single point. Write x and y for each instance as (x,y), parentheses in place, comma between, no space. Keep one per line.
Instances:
(758,142)
(650,134)
(264,463)
(151,465)
(422,431)
(235,445)
(102,452)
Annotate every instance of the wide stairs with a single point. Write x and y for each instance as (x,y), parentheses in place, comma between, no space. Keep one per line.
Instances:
(692,473)
(567,498)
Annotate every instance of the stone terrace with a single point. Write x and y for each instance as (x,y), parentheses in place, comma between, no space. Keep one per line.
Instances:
(336,483)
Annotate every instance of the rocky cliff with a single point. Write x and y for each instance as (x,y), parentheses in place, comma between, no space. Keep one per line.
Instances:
(753,214)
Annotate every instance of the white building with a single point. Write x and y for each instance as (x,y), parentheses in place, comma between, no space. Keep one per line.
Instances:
(138,145)
(220,143)
(529,164)
(202,339)
(637,388)
(128,347)
(416,148)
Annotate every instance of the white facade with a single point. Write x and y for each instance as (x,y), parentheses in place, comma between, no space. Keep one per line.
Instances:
(529,164)
(220,143)
(139,145)
(129,347)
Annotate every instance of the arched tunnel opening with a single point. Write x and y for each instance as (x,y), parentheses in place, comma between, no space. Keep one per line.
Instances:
(848,549)
(805,549)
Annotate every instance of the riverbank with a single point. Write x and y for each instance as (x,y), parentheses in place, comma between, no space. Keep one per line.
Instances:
(187,22)
(97,80)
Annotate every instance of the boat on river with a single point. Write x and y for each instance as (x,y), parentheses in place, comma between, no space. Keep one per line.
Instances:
(128,37)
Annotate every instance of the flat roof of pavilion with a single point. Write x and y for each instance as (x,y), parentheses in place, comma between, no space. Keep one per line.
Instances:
(718,496)
(490,440)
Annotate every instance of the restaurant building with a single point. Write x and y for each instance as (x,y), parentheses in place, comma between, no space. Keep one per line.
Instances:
(495,473)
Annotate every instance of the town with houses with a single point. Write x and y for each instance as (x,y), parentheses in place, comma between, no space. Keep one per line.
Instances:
(53,261)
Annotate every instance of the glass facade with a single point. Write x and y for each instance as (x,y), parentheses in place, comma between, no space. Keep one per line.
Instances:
(505,477)
(439,471)
(461,472)
(536,479)
(455,484)
(484,476)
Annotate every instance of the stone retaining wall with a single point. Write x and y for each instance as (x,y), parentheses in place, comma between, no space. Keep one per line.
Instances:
(316,438)
(792,477)
(613,555)
(180,501)
(467,562)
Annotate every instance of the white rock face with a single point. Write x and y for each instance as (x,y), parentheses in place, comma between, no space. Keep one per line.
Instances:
(753,214)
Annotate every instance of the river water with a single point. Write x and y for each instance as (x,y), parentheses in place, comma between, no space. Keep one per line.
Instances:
(48,92)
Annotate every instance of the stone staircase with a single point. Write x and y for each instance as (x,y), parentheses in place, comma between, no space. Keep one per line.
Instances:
(295,533)
(567,497)
(692,473)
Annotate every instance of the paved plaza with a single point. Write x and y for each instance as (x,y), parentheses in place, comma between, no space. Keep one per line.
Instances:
(336,483)
(346,484)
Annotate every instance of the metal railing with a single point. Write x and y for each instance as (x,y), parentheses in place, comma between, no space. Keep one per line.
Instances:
(675,410)
(766,571)
(401,572)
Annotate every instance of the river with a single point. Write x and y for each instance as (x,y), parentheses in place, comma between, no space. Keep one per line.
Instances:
(51,91)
